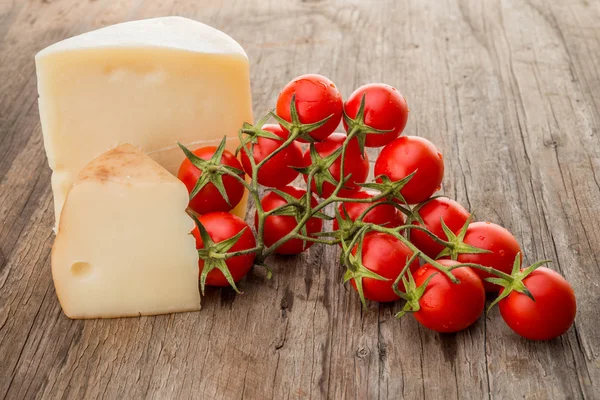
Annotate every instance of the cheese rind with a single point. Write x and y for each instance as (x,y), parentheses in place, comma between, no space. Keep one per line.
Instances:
(124,247)
(164,32)
(149,83)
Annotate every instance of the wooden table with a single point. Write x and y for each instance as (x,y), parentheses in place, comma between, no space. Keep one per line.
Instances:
(508,90)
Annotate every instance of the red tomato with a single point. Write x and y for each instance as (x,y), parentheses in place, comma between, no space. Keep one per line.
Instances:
(432,212)
(407,154)
(316,99)
(386,256)
(196,234)
(275,172)
(384,214)
(355,163)
(550,315)
(502,244)
(222,226)
(277,226)
(385,109)
(208,199)
(447,306)
(397,221)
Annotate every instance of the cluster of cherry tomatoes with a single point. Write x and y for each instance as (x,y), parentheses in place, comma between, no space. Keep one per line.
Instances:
(537,304)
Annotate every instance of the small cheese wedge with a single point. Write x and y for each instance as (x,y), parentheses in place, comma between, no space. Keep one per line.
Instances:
(124,247)
(149,83)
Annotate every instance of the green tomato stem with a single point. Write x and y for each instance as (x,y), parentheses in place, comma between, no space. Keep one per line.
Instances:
(263,252)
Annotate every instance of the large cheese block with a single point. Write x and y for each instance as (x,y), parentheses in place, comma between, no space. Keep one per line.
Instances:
(124,247)
(149,83)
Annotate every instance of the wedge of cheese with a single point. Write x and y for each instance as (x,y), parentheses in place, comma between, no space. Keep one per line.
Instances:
(149,83)
(124,247)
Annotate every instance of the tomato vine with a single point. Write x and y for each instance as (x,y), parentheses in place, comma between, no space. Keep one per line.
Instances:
(390,190)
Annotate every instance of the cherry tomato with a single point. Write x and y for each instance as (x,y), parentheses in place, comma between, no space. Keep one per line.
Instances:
(275,172)
(208,199)
(316,99)
(385,214)
(386,256)
(222,226)
(355,163)
(397,221)
(407,154)
(277,226)
(550,315)
(196,234)
(502,244)
(432,212)
(385,109)
(447,306)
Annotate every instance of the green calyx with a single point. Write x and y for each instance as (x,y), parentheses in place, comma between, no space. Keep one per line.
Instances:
(391,189)
(356,269)
(358,128)
(514,281)
(296,208)
(347,229)
(250,133)
(215,255)
(412,293)
(212,170)
(456,244)
(319,168)
(296,128)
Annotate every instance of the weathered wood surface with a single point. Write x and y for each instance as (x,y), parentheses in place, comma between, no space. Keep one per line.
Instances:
(508,90)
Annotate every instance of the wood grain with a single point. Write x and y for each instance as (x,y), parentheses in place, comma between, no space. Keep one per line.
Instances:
(509,91)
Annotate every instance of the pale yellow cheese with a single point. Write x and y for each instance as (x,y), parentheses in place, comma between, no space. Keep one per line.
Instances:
(124,246)
(149,83)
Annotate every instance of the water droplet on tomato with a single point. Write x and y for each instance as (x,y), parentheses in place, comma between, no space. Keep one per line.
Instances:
(488,222)
(481,237)
(501,252)
(440,155)
(332,85)
(393,88)
(438,188)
